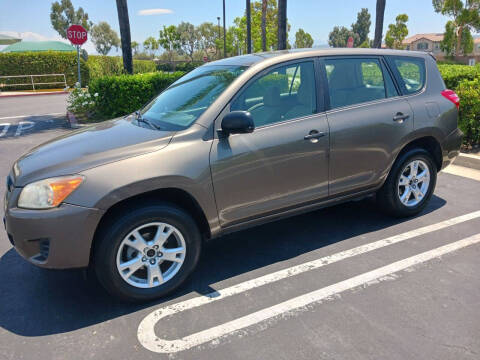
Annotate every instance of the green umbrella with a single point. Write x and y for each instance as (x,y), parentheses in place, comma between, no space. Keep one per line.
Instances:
(7,40)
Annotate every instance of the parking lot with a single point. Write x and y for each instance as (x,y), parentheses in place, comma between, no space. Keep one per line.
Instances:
(345,282)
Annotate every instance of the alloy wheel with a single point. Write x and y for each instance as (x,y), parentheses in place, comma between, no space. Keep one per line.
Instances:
(151,255)
(413,183)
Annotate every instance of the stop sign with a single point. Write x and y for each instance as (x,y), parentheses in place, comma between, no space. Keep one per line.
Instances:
(350,42)
(77,34)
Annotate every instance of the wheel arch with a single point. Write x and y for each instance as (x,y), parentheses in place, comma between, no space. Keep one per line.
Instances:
(175,196)
(428,143)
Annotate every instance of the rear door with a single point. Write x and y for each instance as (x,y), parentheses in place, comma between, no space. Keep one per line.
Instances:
(368,121)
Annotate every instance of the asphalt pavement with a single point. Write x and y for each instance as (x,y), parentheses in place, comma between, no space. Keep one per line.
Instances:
(345,282)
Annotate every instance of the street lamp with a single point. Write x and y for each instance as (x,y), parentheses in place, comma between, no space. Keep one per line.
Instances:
(224,33)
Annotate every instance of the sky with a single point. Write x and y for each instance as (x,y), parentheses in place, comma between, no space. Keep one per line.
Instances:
(31,18)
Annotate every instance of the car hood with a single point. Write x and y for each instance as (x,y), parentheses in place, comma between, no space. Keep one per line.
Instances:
(87,148)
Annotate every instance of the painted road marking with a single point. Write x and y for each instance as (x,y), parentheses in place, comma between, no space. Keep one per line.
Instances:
(32,115)
(155,344)
(4,127)
(146,333)
(24,125)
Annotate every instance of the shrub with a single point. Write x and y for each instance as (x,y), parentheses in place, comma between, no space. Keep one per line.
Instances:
(186,66)
(113,65)
(454,74)
(123,94)
(42,62)
(81,101)
(469,121)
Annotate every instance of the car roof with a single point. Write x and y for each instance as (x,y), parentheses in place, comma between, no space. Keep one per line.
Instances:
(285,55)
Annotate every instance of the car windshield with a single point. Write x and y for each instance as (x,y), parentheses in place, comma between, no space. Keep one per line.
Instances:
(184,101)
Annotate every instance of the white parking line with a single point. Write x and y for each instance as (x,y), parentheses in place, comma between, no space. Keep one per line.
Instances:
(32,115)
(295,304)
(146,332)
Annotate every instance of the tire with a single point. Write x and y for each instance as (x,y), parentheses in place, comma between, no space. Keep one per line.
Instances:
(389,196)
(114,248)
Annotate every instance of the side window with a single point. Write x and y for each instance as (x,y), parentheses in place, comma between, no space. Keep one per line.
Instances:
(284,93)
(411,71)
(355,81)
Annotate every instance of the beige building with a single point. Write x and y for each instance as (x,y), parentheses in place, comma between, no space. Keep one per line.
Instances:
(431,43)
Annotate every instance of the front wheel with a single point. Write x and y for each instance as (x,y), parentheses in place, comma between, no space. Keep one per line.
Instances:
(409,185)
(147,253)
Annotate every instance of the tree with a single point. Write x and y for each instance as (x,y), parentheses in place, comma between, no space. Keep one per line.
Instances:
(264,25)
(303,39)
(135,46)
(126,40)
(151,44)
(458,32)
(362,26)
(397,32)
(169,40)
(63,14)
(379,15)
(104,38)
(208,37)
(338,37)
(282,25)
(189,39)
(271,27)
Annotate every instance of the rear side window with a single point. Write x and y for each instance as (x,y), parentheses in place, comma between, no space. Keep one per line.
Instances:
(411,72)
(354,81)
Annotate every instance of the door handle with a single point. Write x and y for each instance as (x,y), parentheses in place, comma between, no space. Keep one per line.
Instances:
(313,135)
(400,117)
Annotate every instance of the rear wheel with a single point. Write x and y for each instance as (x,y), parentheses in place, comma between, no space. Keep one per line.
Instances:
(147,253)
(409,185)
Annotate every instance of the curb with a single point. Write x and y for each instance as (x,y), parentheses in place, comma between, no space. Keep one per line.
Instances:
(467,160)
(72,120)
(34,94)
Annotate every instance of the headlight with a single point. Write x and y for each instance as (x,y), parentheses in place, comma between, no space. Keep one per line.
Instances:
(48,193)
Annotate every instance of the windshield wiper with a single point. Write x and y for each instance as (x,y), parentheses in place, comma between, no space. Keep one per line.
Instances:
(140,118)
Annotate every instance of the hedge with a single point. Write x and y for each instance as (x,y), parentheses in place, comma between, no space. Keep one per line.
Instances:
(123,94)
(469,120)
(113,65)
(42,62)
(453,75)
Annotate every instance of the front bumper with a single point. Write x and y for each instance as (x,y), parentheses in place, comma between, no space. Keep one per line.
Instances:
(451,147)
(57,238)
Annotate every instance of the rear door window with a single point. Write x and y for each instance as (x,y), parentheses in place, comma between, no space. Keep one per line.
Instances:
(411,72)
(355,81)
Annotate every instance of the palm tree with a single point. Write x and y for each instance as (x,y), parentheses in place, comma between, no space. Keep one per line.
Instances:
(249,28)
(124,23)
(377,41)
(264,25)
(282,24)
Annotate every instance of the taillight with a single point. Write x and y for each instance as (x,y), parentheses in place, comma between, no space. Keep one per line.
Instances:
(452,96)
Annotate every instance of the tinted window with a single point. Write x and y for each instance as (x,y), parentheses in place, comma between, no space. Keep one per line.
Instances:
(284,93)
(183,102)
(412,73)
(354,81)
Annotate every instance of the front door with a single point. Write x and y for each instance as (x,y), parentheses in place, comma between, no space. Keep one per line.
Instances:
(283,163)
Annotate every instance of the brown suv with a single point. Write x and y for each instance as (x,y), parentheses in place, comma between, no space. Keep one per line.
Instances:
(232,144)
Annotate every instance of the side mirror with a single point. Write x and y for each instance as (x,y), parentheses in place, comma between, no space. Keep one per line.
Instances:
(237,122)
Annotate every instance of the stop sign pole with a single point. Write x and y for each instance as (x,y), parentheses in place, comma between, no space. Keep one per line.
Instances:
(77,36)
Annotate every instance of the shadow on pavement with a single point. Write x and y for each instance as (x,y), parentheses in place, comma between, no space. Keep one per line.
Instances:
(38,302)
(31,125)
